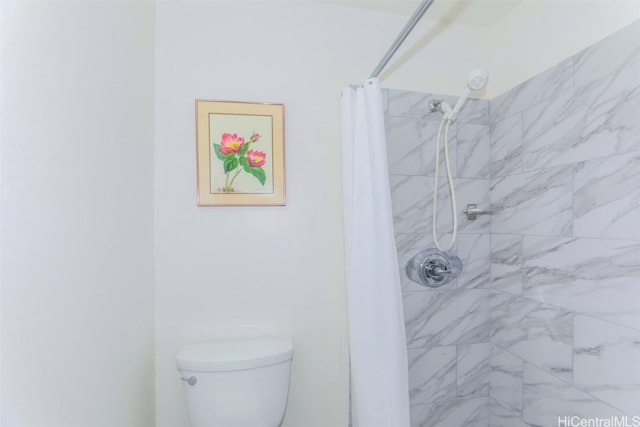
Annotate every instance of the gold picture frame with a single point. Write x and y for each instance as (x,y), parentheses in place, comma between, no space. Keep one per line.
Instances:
(240,153)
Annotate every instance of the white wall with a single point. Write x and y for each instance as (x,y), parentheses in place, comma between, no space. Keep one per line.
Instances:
(220,267)
(77,221)
(435,58)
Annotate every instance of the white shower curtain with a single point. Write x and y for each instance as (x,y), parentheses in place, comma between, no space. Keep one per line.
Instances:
(379,377)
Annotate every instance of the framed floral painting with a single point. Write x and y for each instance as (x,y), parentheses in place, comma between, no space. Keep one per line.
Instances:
(240,148)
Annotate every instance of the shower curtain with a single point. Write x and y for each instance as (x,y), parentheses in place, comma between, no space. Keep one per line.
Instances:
(379,377)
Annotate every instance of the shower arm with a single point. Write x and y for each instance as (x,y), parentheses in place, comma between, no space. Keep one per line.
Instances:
(402,36)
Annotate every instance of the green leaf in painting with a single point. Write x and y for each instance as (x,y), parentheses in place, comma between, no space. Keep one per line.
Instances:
(244,150)
(216,149)
(259,174)
(230,163)
(244,163)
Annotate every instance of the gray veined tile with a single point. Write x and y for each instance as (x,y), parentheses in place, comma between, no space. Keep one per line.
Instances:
(499,416)
(403,144)
(475,111)
(473,370)
(403,103)
(474,251)
(446,317)
(505,381)
(544,86)
(614,52)
(414,104)
(506,146)
(594,120)
(552,132)
(411,145)
(614,105)
(500,305)
(598,277)
(606,200)
(606,362)
(432,374)
(473,150)
(546,398)
(412,204)
(506,263)
(452,413)
(538,333)
(475,191)
(533,203)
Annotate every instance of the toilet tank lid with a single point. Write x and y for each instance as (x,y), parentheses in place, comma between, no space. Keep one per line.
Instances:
(234,355)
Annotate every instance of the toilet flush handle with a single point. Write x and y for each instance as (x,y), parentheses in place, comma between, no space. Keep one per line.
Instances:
(192,380)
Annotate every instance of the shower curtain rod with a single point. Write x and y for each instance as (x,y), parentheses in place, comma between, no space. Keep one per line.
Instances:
(403,35)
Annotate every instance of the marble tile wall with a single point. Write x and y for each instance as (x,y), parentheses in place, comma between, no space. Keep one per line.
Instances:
(565,240)
(447,328)
(545,319)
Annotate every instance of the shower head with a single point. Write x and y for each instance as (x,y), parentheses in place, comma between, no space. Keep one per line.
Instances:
(477,79)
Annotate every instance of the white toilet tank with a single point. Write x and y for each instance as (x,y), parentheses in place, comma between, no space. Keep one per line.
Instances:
(241,383)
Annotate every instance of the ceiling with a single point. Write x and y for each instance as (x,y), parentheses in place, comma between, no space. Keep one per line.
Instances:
(478,13)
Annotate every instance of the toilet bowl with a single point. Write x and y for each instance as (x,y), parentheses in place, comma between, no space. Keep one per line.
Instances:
(242,383)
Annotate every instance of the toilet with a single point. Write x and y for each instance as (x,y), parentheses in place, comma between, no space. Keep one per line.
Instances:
(241,383)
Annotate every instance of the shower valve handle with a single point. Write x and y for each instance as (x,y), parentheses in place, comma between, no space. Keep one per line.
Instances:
(439,270)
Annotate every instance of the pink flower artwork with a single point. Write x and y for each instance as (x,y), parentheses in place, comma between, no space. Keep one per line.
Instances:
(254,138)
(256,158)
(236,158)
(231,143)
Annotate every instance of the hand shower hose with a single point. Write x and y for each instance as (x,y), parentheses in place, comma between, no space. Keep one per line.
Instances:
(445,123)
